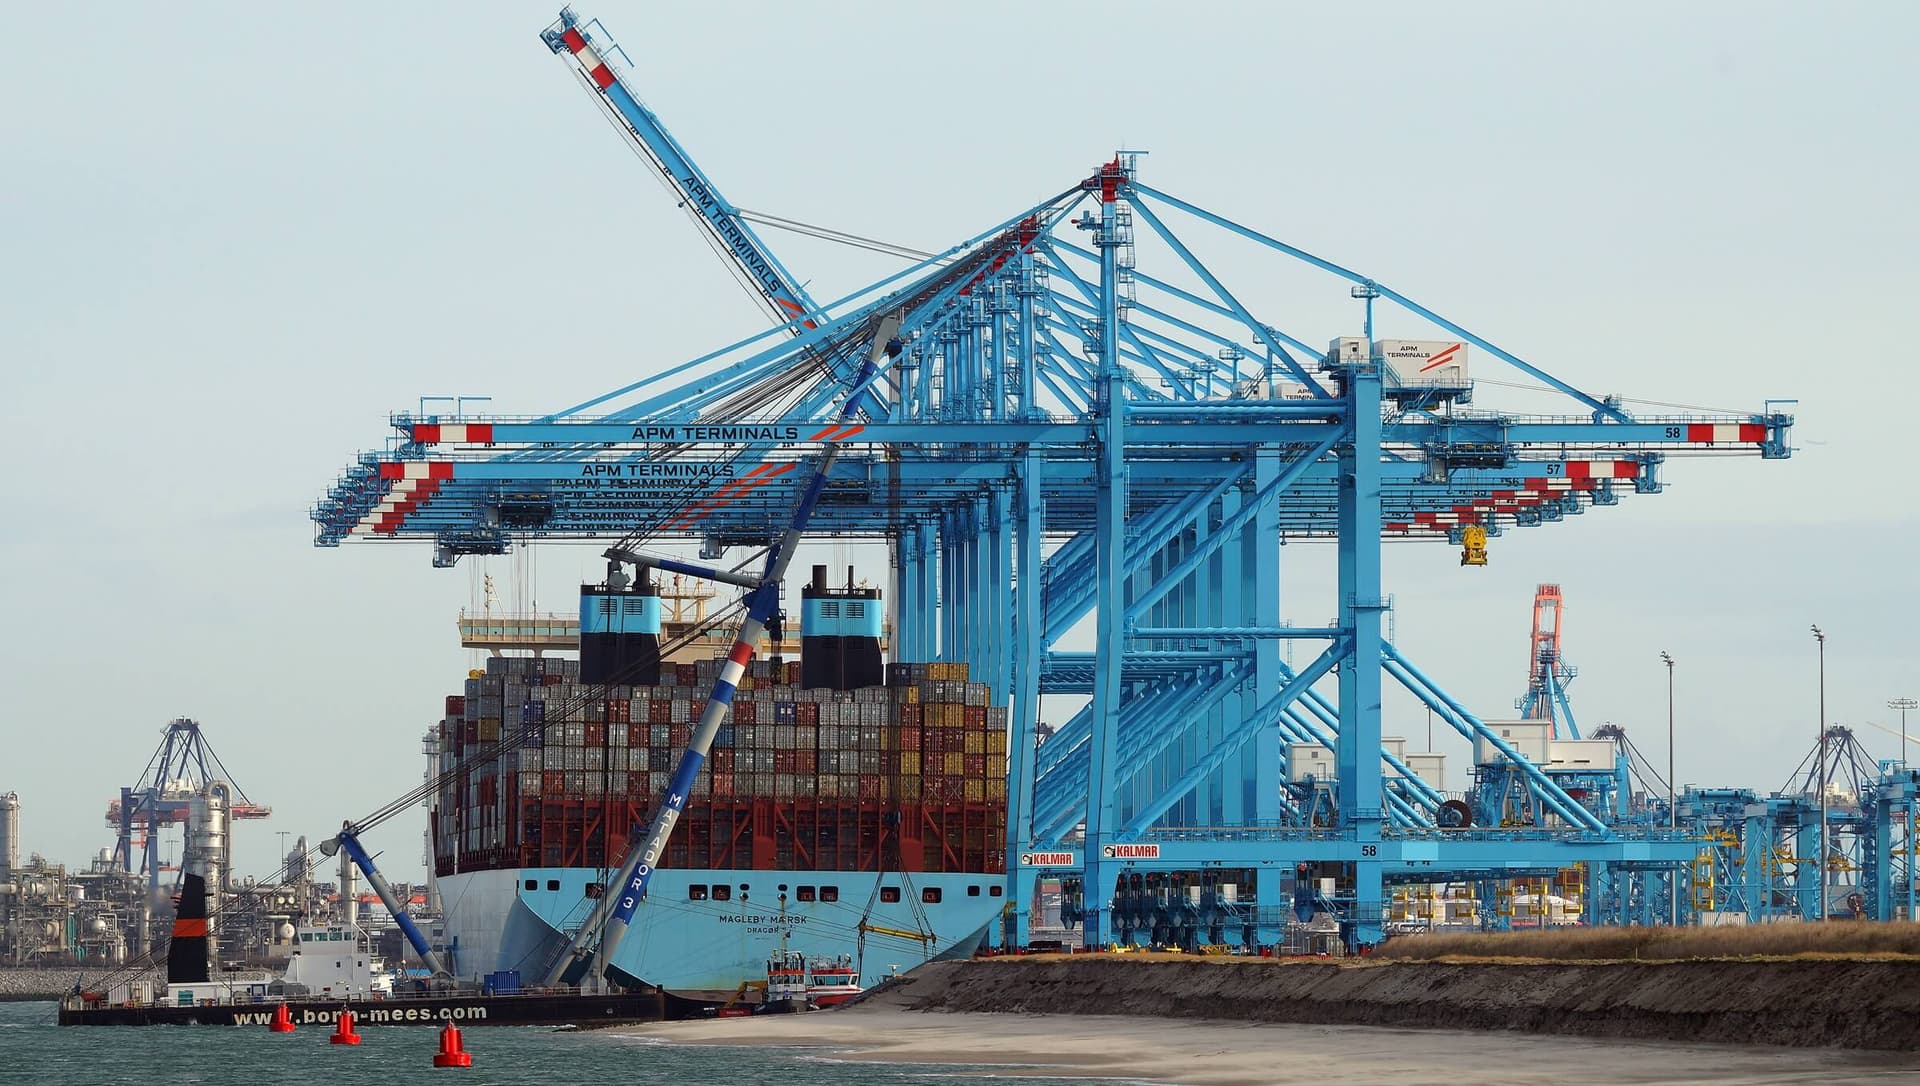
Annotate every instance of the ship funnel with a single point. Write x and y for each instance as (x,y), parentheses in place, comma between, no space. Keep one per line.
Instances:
(187,951)
(840,635)
(620,633)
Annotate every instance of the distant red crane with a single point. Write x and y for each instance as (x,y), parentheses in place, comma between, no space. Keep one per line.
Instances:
(1547,672)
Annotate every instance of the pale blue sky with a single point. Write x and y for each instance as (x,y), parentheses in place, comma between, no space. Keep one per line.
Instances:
(233,239)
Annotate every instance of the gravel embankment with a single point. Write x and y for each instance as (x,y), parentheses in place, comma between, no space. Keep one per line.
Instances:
(22,985)
(1841,1004)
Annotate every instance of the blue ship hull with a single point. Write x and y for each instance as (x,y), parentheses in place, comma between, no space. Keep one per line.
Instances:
(690,939)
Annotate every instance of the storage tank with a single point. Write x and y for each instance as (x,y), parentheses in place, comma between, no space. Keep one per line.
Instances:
(9,835)
(209,816)
(9,851)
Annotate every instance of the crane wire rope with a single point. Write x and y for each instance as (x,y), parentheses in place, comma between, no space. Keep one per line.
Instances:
(490,755)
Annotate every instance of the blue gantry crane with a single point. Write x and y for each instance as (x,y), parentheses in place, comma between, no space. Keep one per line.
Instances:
(1080,424)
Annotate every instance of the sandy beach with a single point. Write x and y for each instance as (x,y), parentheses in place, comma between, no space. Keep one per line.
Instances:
(1216,1053)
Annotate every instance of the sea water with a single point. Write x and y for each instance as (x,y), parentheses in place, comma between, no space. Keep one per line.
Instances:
(36,1052)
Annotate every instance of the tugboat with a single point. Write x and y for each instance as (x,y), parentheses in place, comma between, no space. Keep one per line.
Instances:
(832,981)
(796,982)
(786,983)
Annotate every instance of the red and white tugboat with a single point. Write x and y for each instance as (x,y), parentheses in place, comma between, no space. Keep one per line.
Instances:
(786,983)
(831,981)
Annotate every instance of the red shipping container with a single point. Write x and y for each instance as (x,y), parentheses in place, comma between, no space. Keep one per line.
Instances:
(783,761)
(679,734)
(910,715)
(660,711)
(976,717)
(622,712)
(723,784)
(869,786)
(976,766)
(723,760)
(746,712)
(553,781)
(685,674)
(806,762)
(551,680)
(806,712)
(909,738)
(596,735)
(456,705)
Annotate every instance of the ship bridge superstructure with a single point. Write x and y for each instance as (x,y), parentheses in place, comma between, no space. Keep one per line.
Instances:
(1082,422)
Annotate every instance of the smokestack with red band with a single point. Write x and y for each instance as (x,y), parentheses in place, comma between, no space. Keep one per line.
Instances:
(187,950)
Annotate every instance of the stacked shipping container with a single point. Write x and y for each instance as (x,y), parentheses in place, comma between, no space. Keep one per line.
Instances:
(910,776)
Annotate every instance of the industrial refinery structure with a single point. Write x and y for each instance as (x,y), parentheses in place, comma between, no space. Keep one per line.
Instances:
(119,907)
(1072,421)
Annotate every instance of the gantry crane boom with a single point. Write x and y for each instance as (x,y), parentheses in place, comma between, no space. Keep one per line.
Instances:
(719,219)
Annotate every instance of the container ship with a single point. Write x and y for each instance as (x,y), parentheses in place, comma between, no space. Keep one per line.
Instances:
(850,810)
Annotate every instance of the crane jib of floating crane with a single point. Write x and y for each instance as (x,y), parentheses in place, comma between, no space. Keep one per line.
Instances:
(349,839)
(607,922)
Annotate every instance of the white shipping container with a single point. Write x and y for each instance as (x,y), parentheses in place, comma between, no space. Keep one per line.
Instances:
(1257,389)
(1309,760)
(1532,738)
(1348,349)
(1431,768)
(1424,363)
(1593,754)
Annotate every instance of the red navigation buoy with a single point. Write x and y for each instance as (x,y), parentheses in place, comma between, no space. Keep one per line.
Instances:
(343,1034)
(282,1021)
(451,1054)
